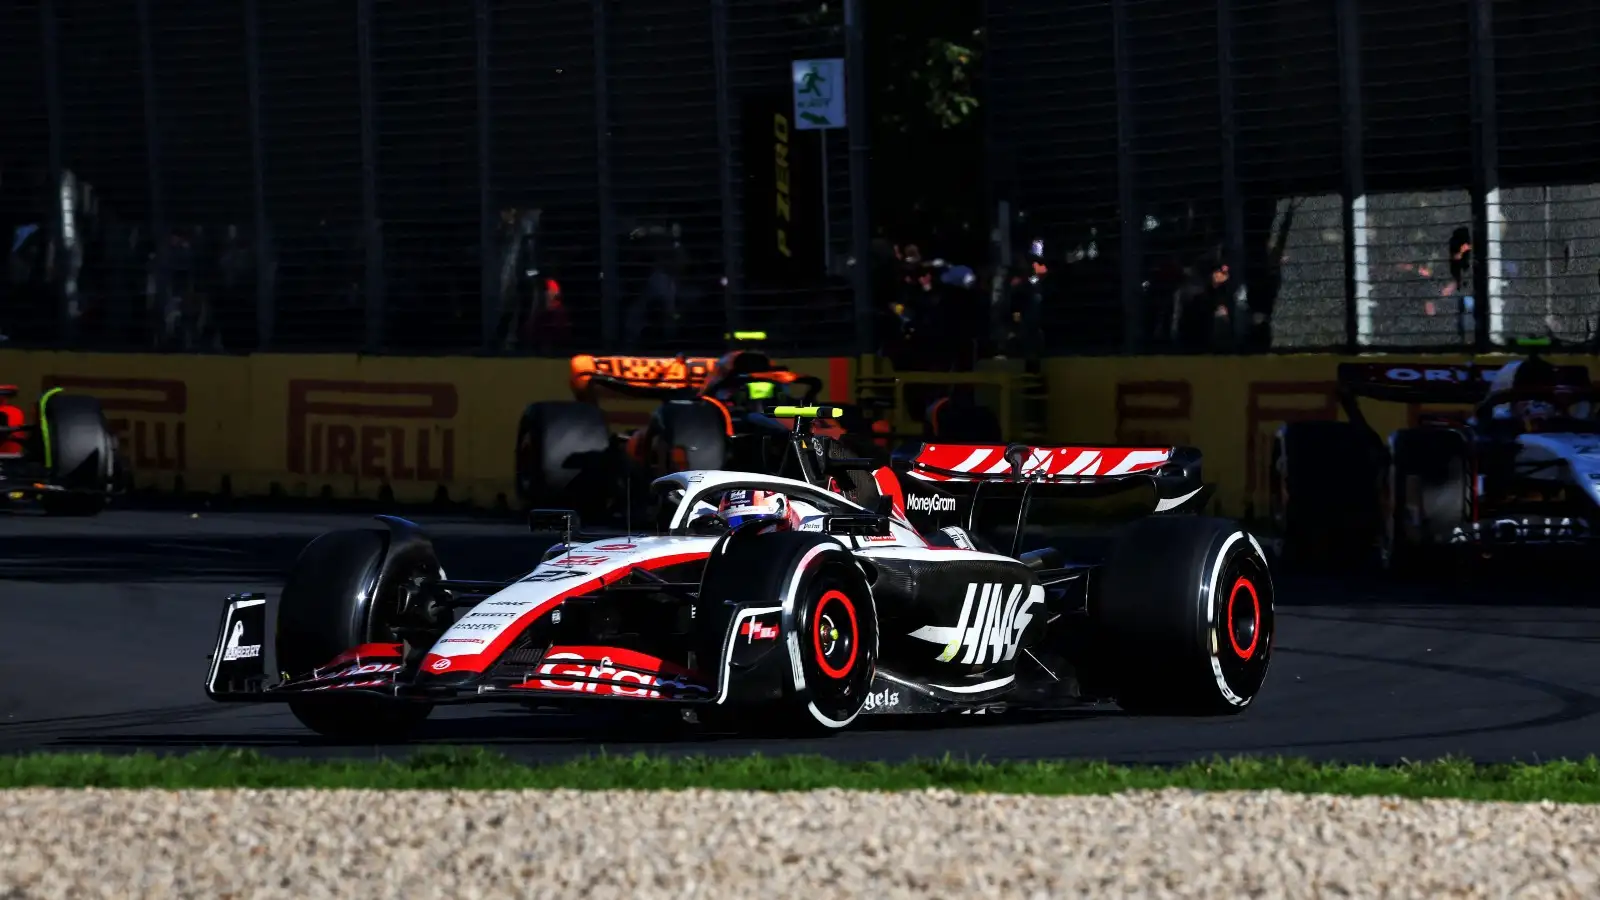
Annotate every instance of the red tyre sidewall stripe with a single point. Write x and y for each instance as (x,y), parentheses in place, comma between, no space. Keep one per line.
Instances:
(1255,609)
(816,634)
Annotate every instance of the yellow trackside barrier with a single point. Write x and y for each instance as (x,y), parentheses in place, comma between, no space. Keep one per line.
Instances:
(349,426)
(312,425)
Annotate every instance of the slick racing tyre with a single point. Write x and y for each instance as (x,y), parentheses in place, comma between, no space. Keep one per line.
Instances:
(343,591)
(563,455)
(1430,491)
(688,435)
(1325,482)
(829,630)
(82,454)
(1185,605)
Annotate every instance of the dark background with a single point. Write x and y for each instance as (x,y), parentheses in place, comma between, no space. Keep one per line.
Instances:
(969,103)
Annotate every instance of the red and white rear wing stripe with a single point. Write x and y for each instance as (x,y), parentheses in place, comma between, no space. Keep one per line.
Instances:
(979,460)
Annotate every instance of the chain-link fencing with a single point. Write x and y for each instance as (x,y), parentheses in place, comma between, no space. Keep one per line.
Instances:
(580,174)
(1299,175)
(415,177)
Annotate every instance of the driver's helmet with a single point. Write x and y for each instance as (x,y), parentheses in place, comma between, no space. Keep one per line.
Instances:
(741,506)
(1534,415)
(1534,410)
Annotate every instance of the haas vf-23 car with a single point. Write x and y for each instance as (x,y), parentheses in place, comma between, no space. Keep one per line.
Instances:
(65,459)
(1518,469)
(762,599)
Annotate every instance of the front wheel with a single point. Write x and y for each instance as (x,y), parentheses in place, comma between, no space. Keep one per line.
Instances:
(80,449)
(1186,605)
(344,591)
(829,630)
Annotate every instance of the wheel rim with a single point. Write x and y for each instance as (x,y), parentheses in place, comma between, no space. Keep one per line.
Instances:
(1245,625)
(838,642)
(834,631)
(1244,628)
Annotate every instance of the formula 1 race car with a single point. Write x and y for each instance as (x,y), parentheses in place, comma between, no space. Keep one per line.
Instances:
(771,602)
(66,460)
(1520,471)
(711,416)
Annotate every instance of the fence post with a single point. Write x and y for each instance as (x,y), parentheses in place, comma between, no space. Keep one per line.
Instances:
(266,301)
(855,77)
(371,226)
(733,318)
(1238,283)
(1130,216)
(160,231)
(610,307)
(1488,221)
(491,300)
(1353,208)
(52,105)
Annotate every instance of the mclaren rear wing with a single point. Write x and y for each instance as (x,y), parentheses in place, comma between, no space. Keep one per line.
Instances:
(640,376)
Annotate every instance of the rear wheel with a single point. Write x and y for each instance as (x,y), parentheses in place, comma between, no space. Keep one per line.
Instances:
(1325,485)
(830,626)
(1430,490)
(688,435)
(1186,607)
(962,421)
(563,457)
(345,590)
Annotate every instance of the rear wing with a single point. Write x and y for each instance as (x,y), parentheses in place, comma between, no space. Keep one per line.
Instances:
(651,377)
(640,375)
(1402,382)
(1018,462)
(1468,384)
(999,490)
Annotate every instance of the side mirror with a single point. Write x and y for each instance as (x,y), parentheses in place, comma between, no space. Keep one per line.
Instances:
(857,526)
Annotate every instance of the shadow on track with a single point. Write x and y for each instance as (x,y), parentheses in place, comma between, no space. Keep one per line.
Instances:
(557,734)
(260,560)
(1509,587)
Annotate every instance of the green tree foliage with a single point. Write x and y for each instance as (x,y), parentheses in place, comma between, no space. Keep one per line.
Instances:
(926,56)
(924,62)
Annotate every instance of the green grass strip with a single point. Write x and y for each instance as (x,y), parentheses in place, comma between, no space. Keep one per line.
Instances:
(1566,781)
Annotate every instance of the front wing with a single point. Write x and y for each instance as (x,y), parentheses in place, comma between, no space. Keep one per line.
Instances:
(747,668)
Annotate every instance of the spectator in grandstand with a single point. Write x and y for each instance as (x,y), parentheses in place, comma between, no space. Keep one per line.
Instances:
(547,325)
(519,273)
(1022,331)
(656,304)
(964,315)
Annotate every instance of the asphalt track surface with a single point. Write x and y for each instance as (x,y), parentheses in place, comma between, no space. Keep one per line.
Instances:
(105,625)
